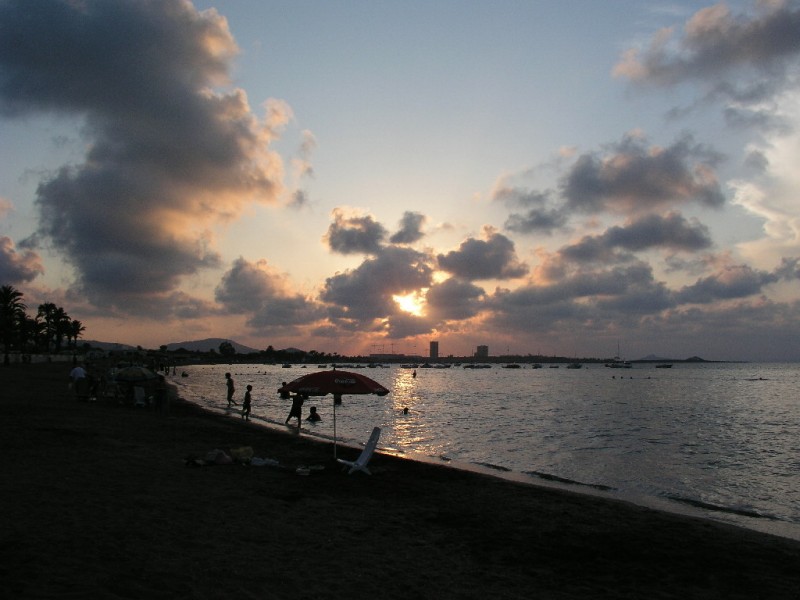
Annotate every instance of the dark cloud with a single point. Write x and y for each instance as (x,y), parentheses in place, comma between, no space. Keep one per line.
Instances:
(732,282)
(355,235)
(789,269)
(17,267)
(454,299)
(177,304)
(264,295)
(672,231)
(167,156)
(365,293)
(410,230)
(492,258)
(631,177)
(717,43)
(299,199)
(583,299)
(536,220)
(756,162)
(404,325)
(537,217)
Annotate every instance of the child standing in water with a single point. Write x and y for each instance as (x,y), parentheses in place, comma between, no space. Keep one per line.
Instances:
(230,387)
(246,403)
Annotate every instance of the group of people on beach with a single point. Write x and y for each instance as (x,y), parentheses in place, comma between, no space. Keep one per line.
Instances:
(88,383)
(296,411)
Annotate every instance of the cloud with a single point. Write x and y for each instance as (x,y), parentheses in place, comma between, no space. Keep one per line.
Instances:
(672,231)
(454,300)
(492,258)
(365,293)
(16,267)
(630,177)
(302,169)
(169,154)
(738,281)
(265,296)
(404,325)
(355,235)
(716,43)
(538,216)
(410,230)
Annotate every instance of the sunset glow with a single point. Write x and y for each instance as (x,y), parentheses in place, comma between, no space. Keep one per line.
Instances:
(546,179)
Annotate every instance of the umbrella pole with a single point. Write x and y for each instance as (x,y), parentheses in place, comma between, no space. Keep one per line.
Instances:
(334,427)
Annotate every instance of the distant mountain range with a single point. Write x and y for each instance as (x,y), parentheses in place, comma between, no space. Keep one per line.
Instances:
(652,357)
(210,344)
(193,346)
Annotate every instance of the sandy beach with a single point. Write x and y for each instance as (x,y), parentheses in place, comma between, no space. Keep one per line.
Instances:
(98,501)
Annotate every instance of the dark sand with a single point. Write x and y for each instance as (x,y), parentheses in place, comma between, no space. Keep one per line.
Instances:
(97,502)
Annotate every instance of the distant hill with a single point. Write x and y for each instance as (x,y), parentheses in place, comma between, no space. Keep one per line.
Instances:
(108,346)
(210,344)
(193,346)
(653,357)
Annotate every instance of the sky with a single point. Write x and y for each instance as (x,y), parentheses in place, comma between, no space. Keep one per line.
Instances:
(556,178)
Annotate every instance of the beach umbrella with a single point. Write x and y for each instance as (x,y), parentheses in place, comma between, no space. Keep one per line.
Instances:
(135,375)
(338,383)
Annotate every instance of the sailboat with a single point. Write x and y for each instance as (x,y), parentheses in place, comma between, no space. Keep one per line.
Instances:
(618,363)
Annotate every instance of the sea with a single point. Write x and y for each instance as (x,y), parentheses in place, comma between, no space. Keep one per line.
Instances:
(719,441)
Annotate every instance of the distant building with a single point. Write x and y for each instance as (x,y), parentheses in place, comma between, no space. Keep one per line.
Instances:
(482,352)
(434,350)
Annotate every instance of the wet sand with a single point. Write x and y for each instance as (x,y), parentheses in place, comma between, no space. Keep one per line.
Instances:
(98,501)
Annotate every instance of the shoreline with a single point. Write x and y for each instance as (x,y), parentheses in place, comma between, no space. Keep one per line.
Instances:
(690,507)
(103,505)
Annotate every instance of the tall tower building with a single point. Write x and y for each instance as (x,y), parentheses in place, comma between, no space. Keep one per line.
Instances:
(482,352)
(434,350)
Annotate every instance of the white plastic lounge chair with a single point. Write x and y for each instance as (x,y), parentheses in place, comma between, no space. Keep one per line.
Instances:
(138,396)
(360,464)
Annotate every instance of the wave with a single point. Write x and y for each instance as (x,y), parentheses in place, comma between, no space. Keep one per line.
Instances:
(723,509)
(557,479)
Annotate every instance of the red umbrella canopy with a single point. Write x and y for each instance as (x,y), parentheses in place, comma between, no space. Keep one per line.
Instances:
(334,382)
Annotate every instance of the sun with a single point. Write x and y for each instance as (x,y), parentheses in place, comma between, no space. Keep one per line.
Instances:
(412,303)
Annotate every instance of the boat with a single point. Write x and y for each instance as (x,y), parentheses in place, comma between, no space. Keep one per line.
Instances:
(619,364)
(536,366)
(575,365)
(664,366)
(512,366)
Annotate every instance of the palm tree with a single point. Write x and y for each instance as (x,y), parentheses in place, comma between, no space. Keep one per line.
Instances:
(62,326)
(30,333)
(12,312)
(75,330)
(47,315)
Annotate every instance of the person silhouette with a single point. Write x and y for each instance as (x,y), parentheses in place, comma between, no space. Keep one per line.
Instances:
(246,404)
(231,388)
(296,410)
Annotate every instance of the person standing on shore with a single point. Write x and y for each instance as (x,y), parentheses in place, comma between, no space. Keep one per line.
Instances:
(246,403)
(296,410)
(80,382)
(231,389)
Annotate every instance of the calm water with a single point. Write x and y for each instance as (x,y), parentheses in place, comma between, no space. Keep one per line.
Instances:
(719,440)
